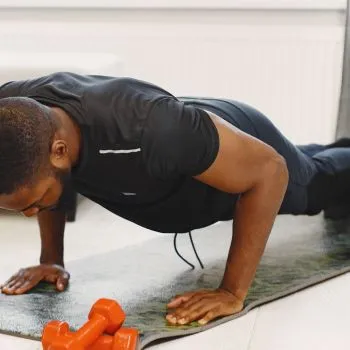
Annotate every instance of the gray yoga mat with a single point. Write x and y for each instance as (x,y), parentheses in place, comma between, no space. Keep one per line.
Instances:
(301,252)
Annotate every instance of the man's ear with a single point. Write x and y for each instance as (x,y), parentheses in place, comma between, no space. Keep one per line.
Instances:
(59,155)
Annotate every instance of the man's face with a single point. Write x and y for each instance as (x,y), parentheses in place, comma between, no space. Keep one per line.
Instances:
(42,195)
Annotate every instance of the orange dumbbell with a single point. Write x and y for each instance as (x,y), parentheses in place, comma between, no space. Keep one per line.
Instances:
(123,339)
(106,316)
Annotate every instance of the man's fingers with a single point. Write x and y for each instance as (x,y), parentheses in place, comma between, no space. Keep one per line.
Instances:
(30,282)
(211,315)
(62,282)
(27,278)
(203,314)
(16,286)
(197,313)
(12,283)
(194,301)
(220,311)
(185,308)
(185,316)
(12,286)
(205,307)
(15,276)
(6,291)
(25,287)
(197,309)
(177,301)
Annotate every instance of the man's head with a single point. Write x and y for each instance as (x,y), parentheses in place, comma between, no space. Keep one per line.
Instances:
(33,156)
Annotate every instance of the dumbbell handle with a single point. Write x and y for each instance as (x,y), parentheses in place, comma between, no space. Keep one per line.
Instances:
(91,330)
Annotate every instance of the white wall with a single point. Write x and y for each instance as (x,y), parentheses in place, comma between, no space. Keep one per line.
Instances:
(176,4)
(286,63)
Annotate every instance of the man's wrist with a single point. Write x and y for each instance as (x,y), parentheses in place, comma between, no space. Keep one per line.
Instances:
(51,261)
(239,293)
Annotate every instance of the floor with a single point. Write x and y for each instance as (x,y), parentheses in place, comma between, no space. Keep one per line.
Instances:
(316,318)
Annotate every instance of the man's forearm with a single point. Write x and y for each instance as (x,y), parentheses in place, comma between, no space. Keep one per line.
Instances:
(52,225)
(254,217)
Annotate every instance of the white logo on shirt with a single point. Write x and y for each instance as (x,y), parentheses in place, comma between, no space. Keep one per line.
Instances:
(120,151)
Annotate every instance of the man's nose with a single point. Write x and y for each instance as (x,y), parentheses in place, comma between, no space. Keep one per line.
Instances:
(30,212)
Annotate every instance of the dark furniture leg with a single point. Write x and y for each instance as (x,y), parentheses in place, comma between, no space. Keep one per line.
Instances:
(72,206)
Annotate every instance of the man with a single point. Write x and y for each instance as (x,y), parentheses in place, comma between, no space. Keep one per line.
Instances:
(168,164)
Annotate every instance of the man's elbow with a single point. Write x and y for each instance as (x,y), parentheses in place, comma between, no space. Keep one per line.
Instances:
(277,170)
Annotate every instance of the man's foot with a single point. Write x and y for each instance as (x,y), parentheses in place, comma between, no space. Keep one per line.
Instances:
(341,143)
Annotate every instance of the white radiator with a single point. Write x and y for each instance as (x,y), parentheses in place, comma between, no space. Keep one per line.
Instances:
(295,83)
(27,65)
(288,64)
(293,78)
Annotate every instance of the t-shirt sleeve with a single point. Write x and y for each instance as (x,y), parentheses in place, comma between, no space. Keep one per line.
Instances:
(178,139)
(11,89)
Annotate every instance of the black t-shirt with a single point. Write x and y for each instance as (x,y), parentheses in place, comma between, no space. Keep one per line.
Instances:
(141,147)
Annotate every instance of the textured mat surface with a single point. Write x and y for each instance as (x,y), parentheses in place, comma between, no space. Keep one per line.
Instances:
(301,252)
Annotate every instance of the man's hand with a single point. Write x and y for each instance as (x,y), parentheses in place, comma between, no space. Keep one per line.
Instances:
(202,306)
(28,278)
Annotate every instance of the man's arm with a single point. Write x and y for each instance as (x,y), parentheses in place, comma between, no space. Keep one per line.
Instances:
(52,225)
(253,169)
(51,268)
(248,166)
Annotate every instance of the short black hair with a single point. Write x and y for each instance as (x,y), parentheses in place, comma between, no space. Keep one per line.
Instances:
(26,134)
